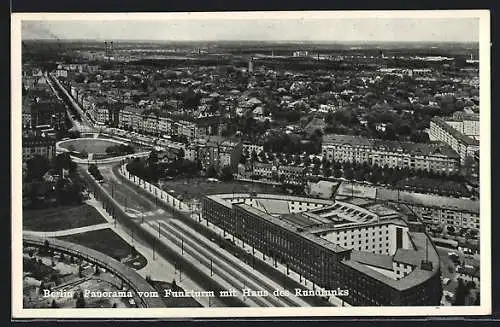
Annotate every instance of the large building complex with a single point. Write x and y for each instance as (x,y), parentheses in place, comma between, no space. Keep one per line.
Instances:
(380,255)
(460,132)
(435,157)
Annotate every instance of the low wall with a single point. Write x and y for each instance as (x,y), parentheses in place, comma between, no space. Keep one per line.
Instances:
(154,190)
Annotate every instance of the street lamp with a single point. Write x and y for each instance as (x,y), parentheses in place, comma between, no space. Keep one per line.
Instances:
(154,244)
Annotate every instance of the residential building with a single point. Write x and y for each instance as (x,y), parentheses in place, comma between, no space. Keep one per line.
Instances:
(444,131)
(35,143)
(435,156)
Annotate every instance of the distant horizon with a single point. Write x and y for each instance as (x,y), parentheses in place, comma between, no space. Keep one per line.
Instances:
(246,40)
(307,30)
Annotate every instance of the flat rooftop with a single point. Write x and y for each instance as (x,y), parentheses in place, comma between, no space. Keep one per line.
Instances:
(286,224)
(412,257)
(313,222)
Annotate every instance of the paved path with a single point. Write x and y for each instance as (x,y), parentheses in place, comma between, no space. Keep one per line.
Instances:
(66,232)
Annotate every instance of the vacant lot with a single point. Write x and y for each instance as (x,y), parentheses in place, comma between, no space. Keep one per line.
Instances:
(195,187)
(60,218)
(109,243)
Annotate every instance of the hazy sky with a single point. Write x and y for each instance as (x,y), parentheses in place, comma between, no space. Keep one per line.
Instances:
(348,29)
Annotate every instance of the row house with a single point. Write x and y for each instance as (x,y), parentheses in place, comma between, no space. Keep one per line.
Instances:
(435,157)
(287,174)
(215,151)
(448,216)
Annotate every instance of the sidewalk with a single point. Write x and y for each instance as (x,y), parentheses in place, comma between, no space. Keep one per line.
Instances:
(71,231)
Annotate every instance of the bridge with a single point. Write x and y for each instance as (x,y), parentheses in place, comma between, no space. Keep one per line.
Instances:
(129,277)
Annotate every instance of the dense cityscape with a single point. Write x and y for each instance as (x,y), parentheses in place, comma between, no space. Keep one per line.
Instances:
(348,172)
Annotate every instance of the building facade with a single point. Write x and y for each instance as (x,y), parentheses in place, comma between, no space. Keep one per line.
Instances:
(407,273)
(435,157)
(458,218)
(449,133)
(33,145)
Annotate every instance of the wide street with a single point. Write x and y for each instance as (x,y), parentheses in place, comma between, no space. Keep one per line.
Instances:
(215,261)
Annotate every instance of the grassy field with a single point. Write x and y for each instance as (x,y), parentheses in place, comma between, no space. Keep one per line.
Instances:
(109,243)
(60,218)
(191,188)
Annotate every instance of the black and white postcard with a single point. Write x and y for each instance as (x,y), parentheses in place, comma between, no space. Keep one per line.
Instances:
(250,164)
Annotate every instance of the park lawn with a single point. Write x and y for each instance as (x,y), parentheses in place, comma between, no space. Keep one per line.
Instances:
(61,218)
(89,145)
(108,242)
(196,187)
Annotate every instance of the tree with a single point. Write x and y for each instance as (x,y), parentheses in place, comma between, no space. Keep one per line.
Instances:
(477,300)
(262,156)
(37,167)
(181,154)
(243,159)
(226,174)
(348,173)
(63,161)
(211,171)
(254,156)
(153,157)
(80,301)
(325,162)
(41,288)
(271,157)
(460,293)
